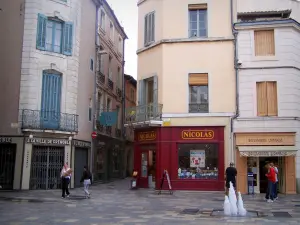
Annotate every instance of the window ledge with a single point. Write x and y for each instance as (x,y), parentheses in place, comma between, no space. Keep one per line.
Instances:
(265,58)
(182,115)
(61,2)
(52,54)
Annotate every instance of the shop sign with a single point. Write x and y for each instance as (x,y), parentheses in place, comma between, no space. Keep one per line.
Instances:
(82,144)
(262,139)
(48,141)
(147,136)
(5,140)
(197,134)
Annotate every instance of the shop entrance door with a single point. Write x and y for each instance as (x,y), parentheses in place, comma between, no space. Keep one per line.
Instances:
(281,171)
(143,183)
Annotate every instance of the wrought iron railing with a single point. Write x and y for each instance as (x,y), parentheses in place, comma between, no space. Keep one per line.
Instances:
(49,120)
(198,108)
(141,113)
(110,84)
(119,92)
(101,77)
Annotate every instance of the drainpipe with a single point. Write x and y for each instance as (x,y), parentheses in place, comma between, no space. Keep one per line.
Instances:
(235,33)
(123,106)
(93,144)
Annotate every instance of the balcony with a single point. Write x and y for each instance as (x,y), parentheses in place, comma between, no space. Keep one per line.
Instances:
(110,84)
(198,108)
(100,78)
(48,120)
(119,92)
(147,114)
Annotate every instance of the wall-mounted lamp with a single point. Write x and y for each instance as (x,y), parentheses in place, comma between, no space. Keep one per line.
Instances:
(30,136)
(70,138)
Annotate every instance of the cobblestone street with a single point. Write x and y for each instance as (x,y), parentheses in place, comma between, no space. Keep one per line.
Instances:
(113,203)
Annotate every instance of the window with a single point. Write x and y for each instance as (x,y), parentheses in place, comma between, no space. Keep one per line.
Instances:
(102,20)
(101,56)
(54,35)
(90,110)
(132,94)
(198,161)
(109,68)
(108,104)
(198,20)
(118,117)
(91,64)
(111,31)
(267,98)
(100,106)
(119,78)
(149,28)
(198,89)
(120,45)
(264,43)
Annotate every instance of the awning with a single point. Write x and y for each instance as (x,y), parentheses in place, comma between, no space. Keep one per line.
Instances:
(267,151)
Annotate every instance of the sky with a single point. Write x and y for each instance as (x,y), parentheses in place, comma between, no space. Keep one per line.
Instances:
(127,15)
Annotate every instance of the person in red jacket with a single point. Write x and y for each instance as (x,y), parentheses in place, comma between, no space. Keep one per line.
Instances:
(271,175)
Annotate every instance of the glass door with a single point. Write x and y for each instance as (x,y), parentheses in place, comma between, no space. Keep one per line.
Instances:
(144,170)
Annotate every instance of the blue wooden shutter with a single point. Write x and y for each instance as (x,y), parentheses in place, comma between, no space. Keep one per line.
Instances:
(68,38)
(41,32)
(146,30)
(141,93)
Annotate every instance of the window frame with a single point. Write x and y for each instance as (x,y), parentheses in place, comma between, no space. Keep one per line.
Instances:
(102,22)
(109,67)
(267,101)
(198,30)
(199,97)
(111,31)
(254,44)
(53,36)
(149,29)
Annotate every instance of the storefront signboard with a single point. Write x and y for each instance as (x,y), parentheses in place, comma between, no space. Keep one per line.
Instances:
(147,136)
(197,158)
(5,140)
(81,144)
(48,141)
(265,139)
(197,134)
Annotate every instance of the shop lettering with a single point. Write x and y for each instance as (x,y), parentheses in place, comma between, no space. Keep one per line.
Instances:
(265,140)
(82,144)
(48,141)
(197,134)
(147,136)
(5,140)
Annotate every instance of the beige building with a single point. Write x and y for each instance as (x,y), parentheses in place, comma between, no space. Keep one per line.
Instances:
(186,80)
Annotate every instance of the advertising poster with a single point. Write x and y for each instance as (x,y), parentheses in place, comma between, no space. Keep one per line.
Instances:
(197,158)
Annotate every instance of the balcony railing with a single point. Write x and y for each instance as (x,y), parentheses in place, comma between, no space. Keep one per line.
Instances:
(49,120)
(110,84)
(141,113)
(100,77)
(198,108)
(119,92)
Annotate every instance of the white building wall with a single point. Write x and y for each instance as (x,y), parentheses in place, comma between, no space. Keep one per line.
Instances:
(287,54)
(35,61)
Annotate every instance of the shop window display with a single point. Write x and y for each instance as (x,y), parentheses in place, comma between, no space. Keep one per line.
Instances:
(198,161)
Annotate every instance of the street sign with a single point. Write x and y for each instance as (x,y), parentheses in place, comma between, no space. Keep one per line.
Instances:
(94,135)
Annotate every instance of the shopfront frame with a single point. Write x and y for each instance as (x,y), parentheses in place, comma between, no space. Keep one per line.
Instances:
(166,140)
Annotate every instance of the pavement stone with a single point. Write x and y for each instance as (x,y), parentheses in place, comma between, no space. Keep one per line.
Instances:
(114,203)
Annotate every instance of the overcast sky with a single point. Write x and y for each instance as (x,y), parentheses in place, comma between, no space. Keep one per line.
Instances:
(127,15)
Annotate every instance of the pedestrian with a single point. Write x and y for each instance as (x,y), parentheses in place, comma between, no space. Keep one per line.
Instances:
(230,176)
(86,179)
(275,189)
(65,175)
(271,181)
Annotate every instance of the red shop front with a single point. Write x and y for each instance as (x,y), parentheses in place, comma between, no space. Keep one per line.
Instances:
(193,156)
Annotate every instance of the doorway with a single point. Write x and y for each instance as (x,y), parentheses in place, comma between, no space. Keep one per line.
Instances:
(263,182)
(81,160)
(7,166)
(148,168)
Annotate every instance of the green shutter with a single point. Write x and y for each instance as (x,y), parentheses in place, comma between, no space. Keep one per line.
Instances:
(41,32)
(68,38)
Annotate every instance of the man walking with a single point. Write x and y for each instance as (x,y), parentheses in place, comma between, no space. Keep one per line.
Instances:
(276,183)
(271,181)
(230,176)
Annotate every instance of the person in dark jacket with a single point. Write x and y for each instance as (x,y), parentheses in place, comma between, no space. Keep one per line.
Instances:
(86,179)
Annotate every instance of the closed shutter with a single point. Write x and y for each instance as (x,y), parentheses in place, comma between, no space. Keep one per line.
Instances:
(197,6)
(264,42)
(241,166)
(145,30)
(68,38)
(41,32)
(198,79)
(261,94)
(152,27)
(272,99)
(290,175)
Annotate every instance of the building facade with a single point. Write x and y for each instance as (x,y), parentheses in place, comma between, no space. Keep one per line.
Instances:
(108,97)
(183,117)
(46,91)
(267,126)
(130,103)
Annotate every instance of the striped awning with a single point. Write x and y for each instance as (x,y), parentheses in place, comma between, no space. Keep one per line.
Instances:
(267,151)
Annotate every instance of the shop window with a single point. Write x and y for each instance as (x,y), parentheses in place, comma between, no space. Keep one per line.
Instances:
(198,161)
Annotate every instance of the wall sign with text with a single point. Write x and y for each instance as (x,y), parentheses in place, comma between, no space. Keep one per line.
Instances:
(265,139)
(146,136)
(197,134)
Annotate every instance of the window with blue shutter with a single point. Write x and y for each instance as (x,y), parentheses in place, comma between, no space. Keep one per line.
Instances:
(68,38)
(54,35)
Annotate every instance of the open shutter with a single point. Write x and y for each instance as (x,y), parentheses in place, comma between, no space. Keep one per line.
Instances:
(146,30)
(141,92)
(155,106)
(68,38)
(41,32)
(152,26)
(142,107)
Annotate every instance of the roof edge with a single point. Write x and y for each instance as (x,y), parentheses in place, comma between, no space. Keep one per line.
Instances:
(268,22)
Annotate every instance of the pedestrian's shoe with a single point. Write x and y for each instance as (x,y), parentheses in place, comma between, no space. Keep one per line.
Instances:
(68,196)
(62,197)
(269,200)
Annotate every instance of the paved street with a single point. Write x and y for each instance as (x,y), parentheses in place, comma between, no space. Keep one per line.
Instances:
(114,204)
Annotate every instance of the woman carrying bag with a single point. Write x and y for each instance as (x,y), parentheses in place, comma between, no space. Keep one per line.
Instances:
(86,179)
